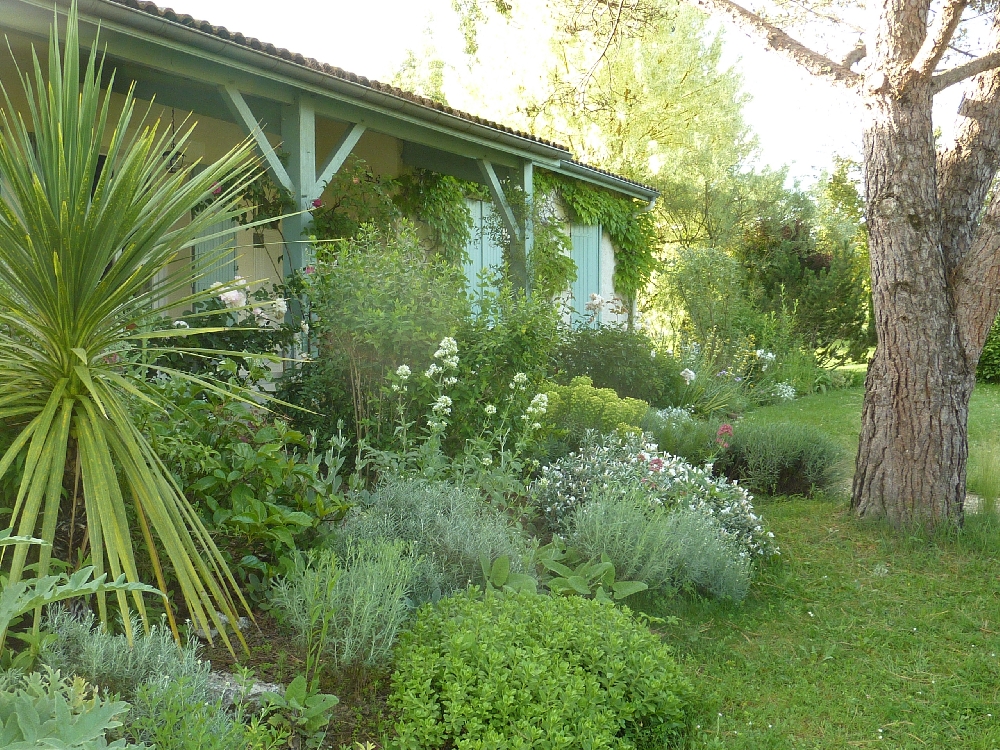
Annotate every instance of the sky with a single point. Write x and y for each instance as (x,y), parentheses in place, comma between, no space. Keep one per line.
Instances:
(800,123)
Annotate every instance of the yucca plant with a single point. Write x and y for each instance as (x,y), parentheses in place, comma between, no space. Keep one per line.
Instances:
(80,253)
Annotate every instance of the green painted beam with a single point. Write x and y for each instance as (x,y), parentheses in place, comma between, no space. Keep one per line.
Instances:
(338,155)
(298,135)
(499,199)
(240,110)
(528,239)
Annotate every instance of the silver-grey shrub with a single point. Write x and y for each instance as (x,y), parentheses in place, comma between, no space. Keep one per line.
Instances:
(107,660)
(368,590)
(666,549)
(449,526)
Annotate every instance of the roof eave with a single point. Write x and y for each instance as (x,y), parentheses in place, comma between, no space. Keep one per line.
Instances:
(610,181)
(263,61)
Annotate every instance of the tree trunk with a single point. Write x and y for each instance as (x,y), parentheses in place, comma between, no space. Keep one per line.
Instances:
(913,445)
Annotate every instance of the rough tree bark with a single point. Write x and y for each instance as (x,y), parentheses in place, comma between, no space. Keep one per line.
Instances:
(934,240)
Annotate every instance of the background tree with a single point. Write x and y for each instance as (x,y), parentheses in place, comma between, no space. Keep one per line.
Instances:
(933,221)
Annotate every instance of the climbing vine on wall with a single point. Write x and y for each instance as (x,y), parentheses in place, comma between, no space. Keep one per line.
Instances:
(438,202)
(632,231)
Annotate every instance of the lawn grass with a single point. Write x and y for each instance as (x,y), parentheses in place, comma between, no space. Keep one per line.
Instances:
(852,631)
(856,636)
(839,414)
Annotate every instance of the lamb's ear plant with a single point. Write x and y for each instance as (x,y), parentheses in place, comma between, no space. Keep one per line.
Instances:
(83,254)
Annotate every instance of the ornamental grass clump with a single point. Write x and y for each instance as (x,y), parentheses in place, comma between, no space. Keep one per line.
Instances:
(90,218)
(629,463)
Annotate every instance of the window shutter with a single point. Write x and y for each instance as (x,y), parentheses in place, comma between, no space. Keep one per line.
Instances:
(484,252)
(218,252)
(586,253)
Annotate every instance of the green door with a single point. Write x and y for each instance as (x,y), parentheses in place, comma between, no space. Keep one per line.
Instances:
(586,254)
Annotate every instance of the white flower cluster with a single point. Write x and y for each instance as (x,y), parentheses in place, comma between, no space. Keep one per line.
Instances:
(784,391)
(403,372)
(596,303)
(688,374)
(539,405)
(676,416)
(448,353)
(235,296)
(765,358)
(274,315)
(442,407)
(490,409)
(520,382)
(613,462)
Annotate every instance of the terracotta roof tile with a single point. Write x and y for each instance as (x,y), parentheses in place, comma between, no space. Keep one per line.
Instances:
(308,62)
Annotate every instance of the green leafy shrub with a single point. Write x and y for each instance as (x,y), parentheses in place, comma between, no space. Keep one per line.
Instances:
(628,362)
(527,671)
(624,464)
(83,648)
(367,591)
(666,550)
(450,527)
(781,458)
(988,370)
(578,407)
(376,301)
(498,436)
(506,334)
(48,710)
(262,488)
(678,433)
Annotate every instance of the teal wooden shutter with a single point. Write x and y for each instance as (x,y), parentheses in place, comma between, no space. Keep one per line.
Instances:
(586,253)
(474,248)
(483,251)
(219,252)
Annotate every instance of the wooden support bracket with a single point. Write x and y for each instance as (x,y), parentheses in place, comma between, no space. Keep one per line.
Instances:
(500,200)
(241,111)
(337,157)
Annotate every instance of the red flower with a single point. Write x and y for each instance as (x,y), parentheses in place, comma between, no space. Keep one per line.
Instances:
(309,269)
(216,189)
(318,203)
(726,429)
(656,464)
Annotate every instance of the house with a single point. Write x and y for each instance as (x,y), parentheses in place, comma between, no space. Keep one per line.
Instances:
(307,118)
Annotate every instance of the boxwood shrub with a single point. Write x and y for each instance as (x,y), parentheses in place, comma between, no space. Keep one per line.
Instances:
(532,671)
